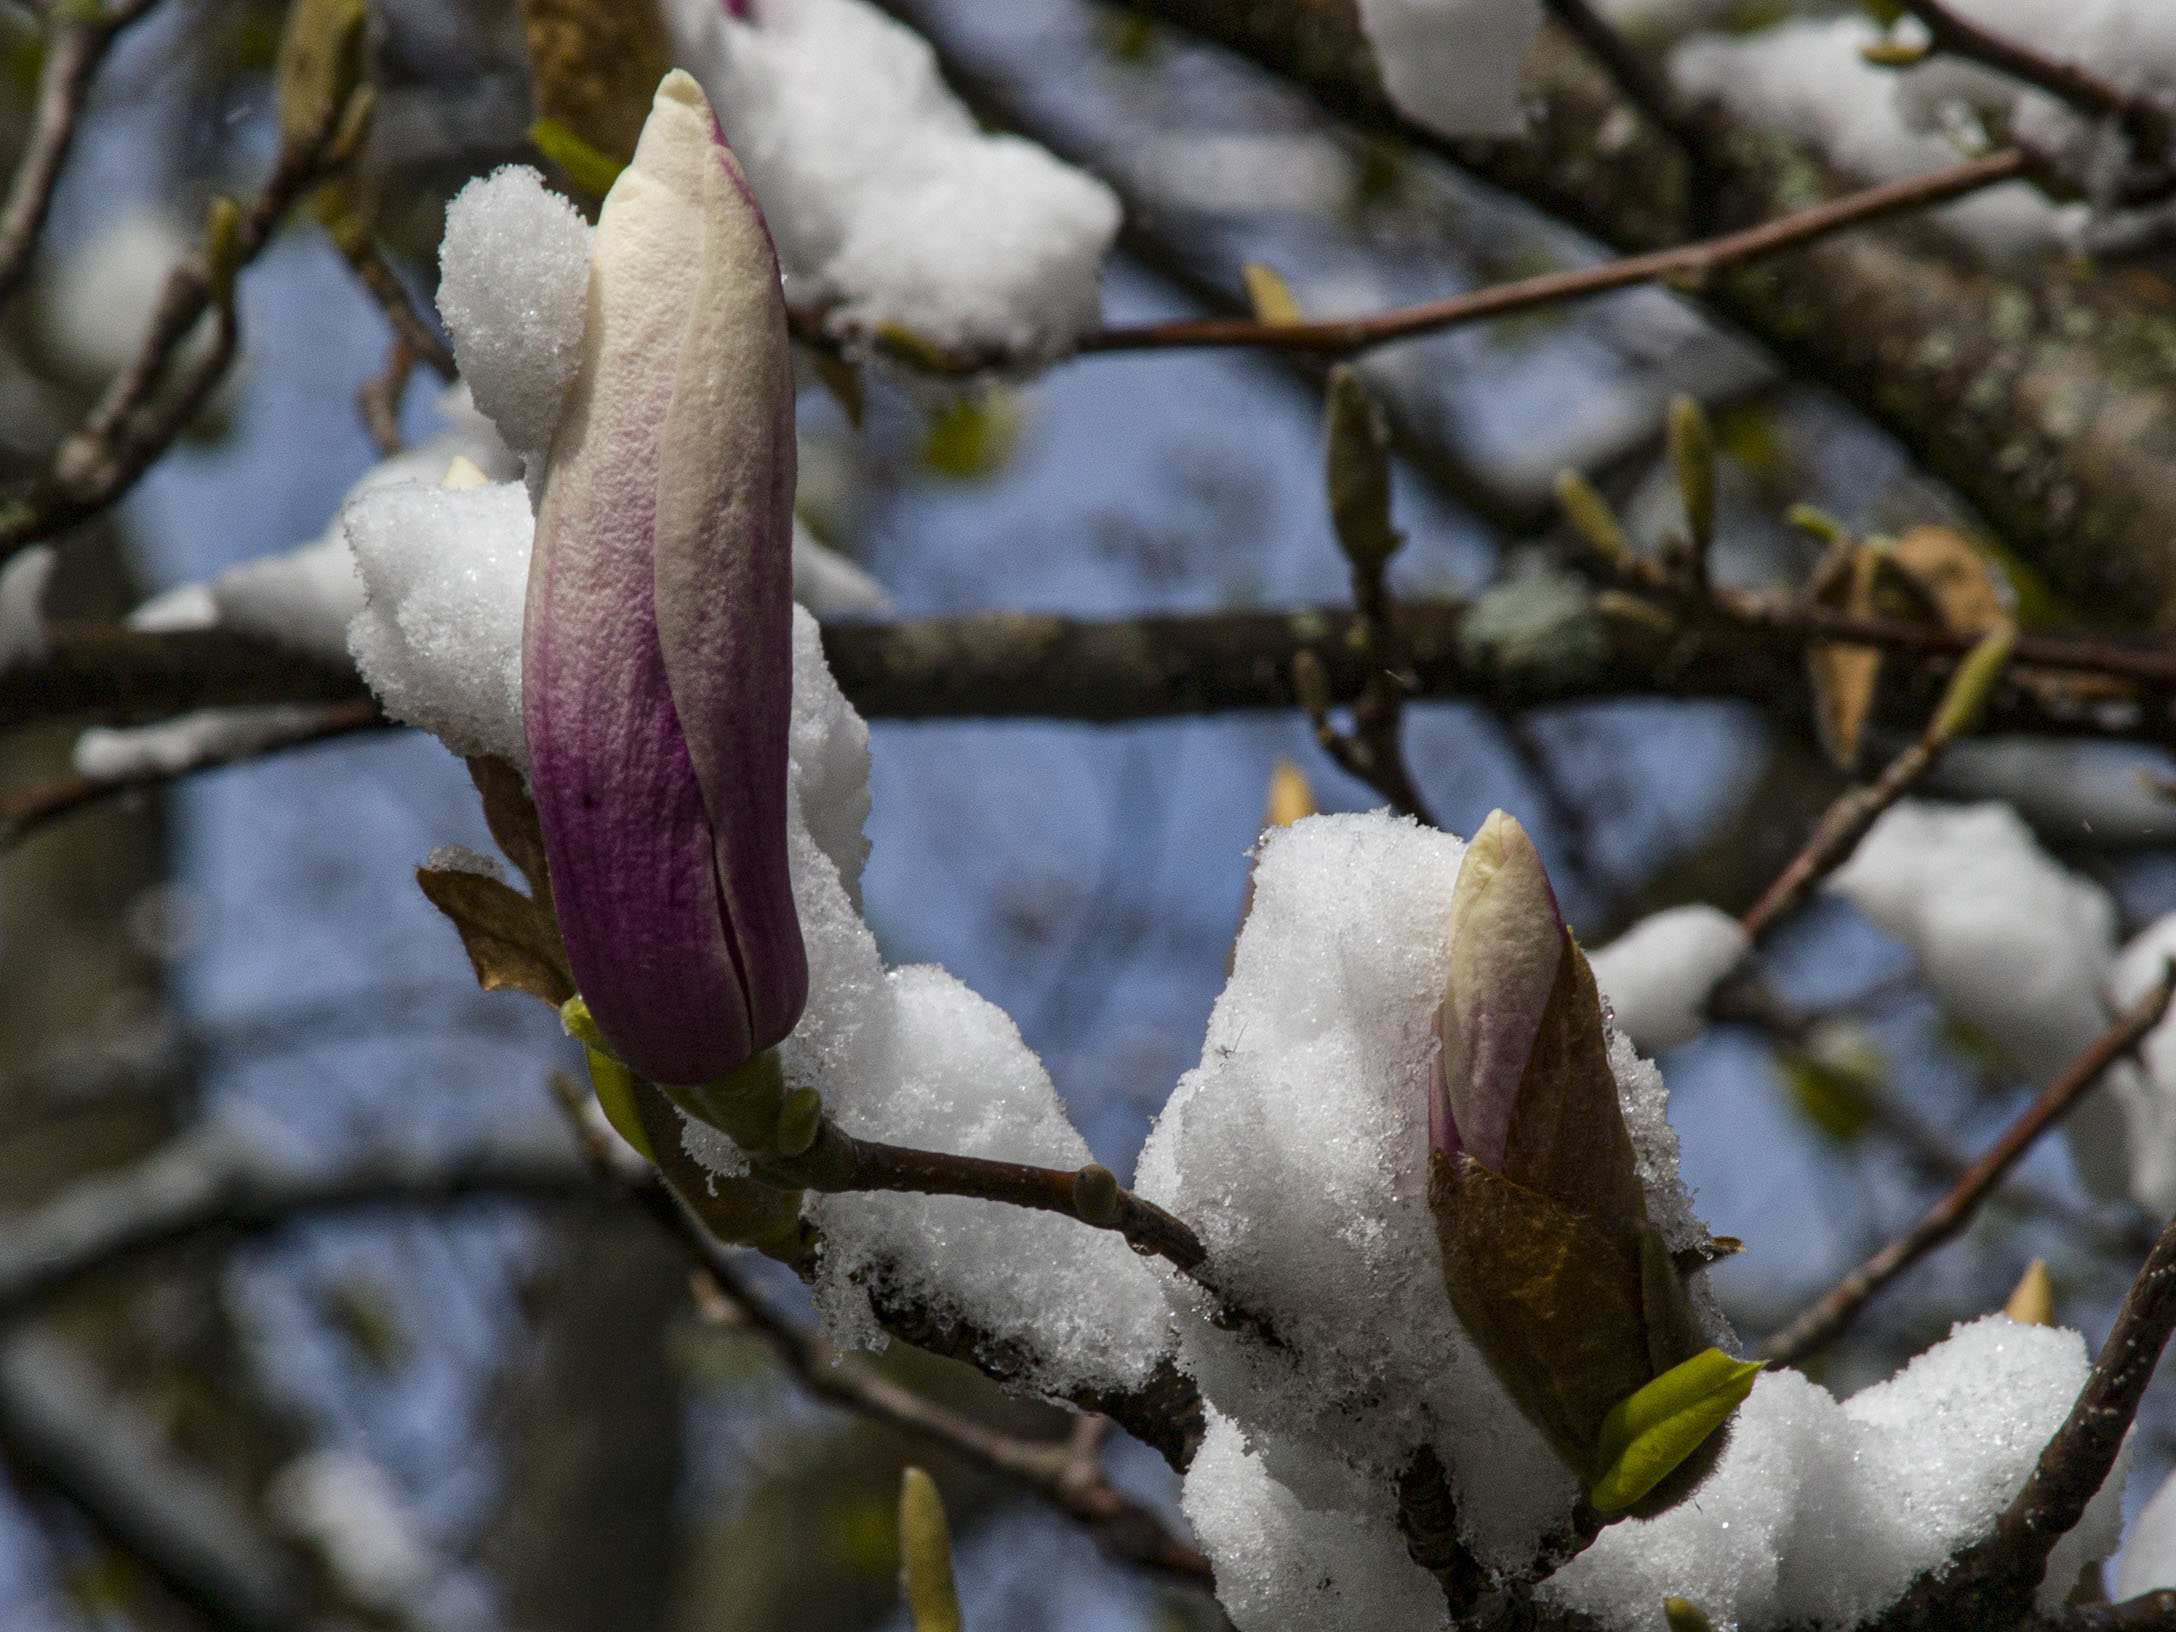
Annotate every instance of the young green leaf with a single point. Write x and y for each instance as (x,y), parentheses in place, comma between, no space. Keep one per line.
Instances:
(925,1555)
(589,168)
(1650,1432)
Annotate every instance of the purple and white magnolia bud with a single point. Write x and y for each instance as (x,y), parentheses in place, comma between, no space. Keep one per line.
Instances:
(657,651)
(1506,938)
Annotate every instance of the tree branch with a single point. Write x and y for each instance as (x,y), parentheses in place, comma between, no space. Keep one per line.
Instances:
(76,41)
(23,813)
(1991,1583)
(1015,665)
(1345,335)
(1823,1321)
(2142,119)
(210,1183)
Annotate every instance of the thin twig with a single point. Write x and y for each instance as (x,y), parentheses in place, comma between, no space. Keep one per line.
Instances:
(1687,261)
(2143,120)
(384,286)
(23,813)
(76,41)
(136,421)
(837,1162)
(1357,473)
(377,399)
(1067,1473)
(1826,1319)
(1837,833)
(1991,1582)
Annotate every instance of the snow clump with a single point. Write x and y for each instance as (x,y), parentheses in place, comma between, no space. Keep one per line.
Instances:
(1821,1514)
(304,598)
(1808,79)
(891,208)
(1453,65)
(1658,975)
(1297,1151)
(2015,945)
(513,288)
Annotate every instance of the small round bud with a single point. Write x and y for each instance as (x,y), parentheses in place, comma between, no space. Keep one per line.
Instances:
(1095,1194)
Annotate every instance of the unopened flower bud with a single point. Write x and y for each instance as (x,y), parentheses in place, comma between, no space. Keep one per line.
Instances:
(657,653)
(1549,1257)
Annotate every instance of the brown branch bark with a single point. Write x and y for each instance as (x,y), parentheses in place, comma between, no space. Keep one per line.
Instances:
(1341,336)
(1037,665)
(1826,1319)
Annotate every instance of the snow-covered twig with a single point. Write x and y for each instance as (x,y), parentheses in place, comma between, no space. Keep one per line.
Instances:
(1694,261)
(204,749)
(1991,1583)
(76,40)
(836,1163)
(1824,1320)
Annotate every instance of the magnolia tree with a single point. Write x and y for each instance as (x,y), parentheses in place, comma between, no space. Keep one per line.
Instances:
(1407,1307)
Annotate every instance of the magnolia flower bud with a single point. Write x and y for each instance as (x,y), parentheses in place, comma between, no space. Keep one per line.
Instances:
(657,649)
(1548,1255)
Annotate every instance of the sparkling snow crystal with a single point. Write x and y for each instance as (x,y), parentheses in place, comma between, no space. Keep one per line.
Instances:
(513,283)
(1285,1567)
(889,206)
(445,574)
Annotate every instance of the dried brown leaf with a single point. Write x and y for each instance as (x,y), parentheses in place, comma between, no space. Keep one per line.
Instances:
(1959,580)
(512,942)
(511,815)
(1845,679)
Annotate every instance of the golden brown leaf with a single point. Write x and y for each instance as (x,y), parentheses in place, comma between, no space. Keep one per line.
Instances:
(511,815)
(512,941)
(1845,678)
(1958,579)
